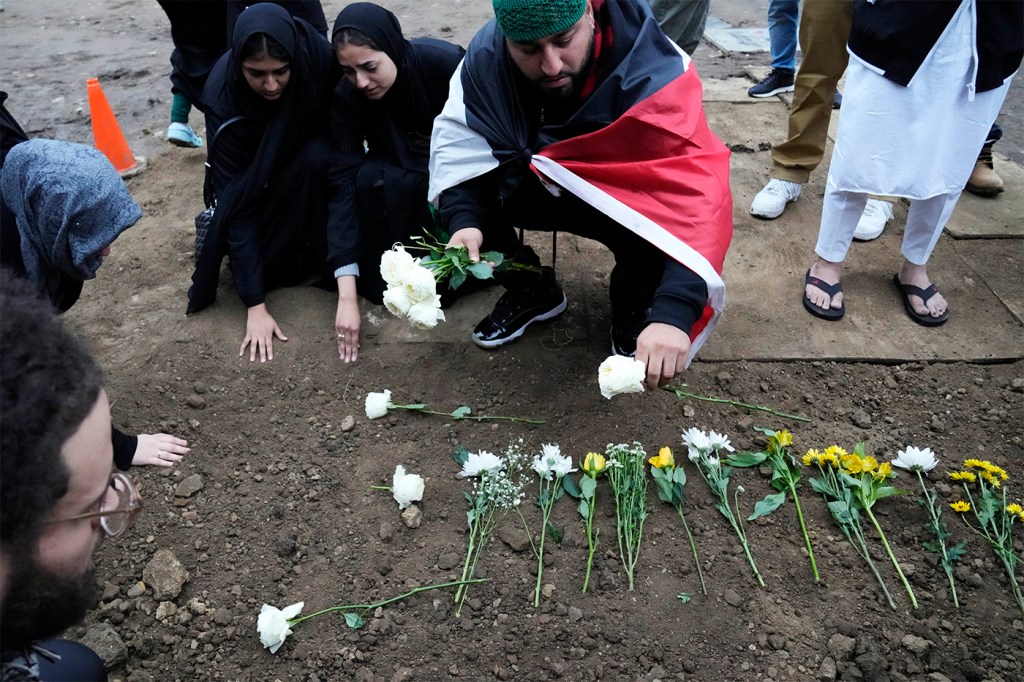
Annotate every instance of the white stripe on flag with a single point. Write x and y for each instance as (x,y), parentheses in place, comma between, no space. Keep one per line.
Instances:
(648,230)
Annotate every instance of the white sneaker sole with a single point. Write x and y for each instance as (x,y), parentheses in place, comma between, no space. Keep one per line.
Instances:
(776,91)
(554,312)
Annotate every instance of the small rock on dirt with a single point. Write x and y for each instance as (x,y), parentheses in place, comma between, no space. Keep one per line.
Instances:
(166,574)
(916,645)
(862,419)
(515,538)
(841,646)
(826,671)
(386,532)
(448,561)
(190,486)
(137,590)
(196,402)
(105,641)
(412,516)
(348,423)
(732,598)
(575,614)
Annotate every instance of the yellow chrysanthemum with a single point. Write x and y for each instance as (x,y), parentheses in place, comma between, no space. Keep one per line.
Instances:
(594,463)
(976,463)
(961,506)
(1021,516)
(1014,509)
(869,463)
(998,471)
(852,463)
(835,451)
(784,438)
(663,460)
(991,478)
(812,457)
(830,459)
(883,472)
(968,476)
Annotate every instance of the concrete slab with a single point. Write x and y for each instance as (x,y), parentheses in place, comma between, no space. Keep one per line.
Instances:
(737,39)
(992,217)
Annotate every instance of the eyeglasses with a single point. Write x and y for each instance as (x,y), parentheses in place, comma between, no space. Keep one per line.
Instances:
(117,519)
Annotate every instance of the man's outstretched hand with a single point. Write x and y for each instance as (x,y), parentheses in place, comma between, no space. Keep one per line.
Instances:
(663,349)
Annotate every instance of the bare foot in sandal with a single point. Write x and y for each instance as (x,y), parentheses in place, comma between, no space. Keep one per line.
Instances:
(829,274)
(935,306)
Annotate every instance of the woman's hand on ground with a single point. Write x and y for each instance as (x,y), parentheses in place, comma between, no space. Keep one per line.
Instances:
(260,330)
(346,325)
(159,449)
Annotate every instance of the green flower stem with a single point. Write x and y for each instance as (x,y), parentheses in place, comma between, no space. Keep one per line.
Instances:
(380,487)
(367,607)
(1008,564)
(478,418)
(892,557)
(947,565)
(684,394)
(526,527)
(738,525)
(545,515)
(803,528)
(471,555)
(693,549)
(591,545)
(866,555)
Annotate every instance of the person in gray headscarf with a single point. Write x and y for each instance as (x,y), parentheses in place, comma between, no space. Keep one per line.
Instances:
(63,206)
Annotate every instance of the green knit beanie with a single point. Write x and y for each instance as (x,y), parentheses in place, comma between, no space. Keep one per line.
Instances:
(525,20)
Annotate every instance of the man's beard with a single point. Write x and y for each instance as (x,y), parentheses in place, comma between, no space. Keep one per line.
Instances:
(40,605)
(570,93)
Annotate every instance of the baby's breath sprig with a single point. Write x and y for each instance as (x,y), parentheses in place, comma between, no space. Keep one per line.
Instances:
(628,480)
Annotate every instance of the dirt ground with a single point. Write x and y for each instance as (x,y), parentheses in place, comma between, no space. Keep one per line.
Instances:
(274,504)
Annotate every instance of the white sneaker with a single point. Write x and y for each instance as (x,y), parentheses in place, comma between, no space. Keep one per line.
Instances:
(771,201)
(872,222)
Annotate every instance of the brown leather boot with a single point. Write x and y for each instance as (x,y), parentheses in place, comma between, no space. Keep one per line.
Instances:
(983,181)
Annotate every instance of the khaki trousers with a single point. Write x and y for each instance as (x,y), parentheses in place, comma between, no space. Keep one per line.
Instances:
(824,31)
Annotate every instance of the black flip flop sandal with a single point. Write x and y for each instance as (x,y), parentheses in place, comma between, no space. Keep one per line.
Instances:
(908,290)
(831,314)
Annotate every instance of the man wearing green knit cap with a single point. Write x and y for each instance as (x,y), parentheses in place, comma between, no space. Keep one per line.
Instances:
(582,116)
(525,20)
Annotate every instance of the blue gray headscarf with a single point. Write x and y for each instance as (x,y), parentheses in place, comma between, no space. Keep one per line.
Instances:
(70,204)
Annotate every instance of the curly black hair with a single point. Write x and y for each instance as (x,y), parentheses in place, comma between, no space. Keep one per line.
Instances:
(48,385)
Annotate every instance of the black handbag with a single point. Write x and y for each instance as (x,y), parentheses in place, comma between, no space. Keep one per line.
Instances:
(205,217)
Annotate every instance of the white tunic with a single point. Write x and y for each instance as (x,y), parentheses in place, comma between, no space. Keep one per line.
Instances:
(921,140)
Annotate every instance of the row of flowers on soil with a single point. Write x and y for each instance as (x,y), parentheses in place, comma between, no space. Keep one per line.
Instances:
(851,483)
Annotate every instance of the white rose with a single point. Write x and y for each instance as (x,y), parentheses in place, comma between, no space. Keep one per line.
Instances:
(273,624)
(397,301)
(394,264)
(620,374)
(420,284)
(407,488)
(426,314)
(377,404)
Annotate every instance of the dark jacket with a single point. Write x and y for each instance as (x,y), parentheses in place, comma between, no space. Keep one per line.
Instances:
(897,35)
(395,128)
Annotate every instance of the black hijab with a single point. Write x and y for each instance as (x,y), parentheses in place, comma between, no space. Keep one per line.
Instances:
(285,123)
(406,112)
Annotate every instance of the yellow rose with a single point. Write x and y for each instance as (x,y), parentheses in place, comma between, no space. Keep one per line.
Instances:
(664,459)
(594,463)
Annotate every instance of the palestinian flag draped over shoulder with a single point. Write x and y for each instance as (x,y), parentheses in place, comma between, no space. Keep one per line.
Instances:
(638,149)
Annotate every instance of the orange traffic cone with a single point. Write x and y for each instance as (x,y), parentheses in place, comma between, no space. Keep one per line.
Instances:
(107,133)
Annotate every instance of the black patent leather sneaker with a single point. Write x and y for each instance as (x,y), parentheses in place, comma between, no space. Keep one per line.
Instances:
(518,309)
(626,327)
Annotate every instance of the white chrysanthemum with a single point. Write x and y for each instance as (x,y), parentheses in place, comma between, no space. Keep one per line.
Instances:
(915,459)
(479,462)
(621,374)
(719,441)
(562,466)
(395,264)
(377,404)
(696,441)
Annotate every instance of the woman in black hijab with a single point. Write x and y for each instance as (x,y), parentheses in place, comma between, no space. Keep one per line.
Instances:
(392,91)
(268,107)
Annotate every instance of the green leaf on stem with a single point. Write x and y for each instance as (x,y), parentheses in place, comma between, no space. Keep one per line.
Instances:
(766,506)
(554,532)
(570,486)
(746,459)
(683,597)
(457,279)
(584,508)
(460,412)
(492,257)
(354,620)
(481,270)
(461,455)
